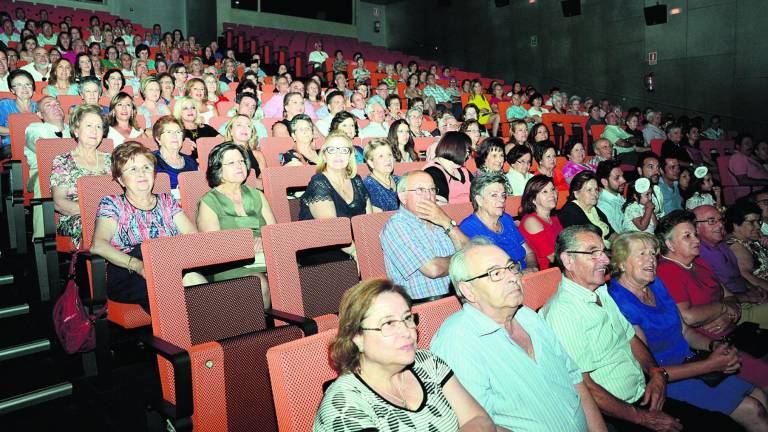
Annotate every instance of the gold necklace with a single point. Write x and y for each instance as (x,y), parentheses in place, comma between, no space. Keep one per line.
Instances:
(399,386)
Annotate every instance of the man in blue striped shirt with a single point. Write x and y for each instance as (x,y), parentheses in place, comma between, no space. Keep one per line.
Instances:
(505,355)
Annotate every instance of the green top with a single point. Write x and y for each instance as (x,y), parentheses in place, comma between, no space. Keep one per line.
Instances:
(228,217)
(596,337)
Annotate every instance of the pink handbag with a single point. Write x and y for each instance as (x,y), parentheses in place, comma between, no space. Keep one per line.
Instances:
(73,325)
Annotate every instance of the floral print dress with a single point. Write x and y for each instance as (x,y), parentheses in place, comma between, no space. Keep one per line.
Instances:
(65,173)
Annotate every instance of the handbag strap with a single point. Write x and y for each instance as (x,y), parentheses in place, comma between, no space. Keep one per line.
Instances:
(73,262)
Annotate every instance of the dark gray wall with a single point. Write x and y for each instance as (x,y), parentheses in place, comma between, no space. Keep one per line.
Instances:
(713,57)
(200,22)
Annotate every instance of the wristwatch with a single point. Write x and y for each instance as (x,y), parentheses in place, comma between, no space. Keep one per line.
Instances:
(451,226)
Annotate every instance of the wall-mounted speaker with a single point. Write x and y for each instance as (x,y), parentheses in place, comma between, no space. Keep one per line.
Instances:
(502,3)
(656,15)
(571,8)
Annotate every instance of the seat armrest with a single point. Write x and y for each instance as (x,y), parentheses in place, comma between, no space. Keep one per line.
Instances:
(307,325)
(49,216)
(98,279)
(181,411)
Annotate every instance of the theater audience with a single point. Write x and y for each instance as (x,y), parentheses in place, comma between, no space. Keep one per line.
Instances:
(114,82)
(703,190)
(401,140)
(124,222)
(380,368)
(491,221)
(336,190)
(381,183)
(638,209)
(472,129)
(539,225)
(62,81)
(576,154)
(645,303)
(186,110)
(581,208)
(536,110)
(169,135)
(240,131)
(419,239)
(519,136)
(447,170)
(231,204)
(743,164)
(490,343)
(377,125)
(546,161)
(87,126)
(335,103)
(303,151)
(122,119)
(611,199)
(603,150)
(519,160)
(648,166)
(670,172)
(714,131)
(486,117)
(489,157)
(22,85)
(612,358)
(742,222)
(651,130)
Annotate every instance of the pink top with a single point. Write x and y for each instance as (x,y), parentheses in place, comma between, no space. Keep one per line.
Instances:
(458,192)
(543,242)
(741,164)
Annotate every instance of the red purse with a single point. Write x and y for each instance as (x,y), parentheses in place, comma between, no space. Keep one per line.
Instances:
(73,325)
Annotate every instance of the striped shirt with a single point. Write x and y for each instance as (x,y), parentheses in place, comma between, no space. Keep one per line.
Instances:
(409,243)
(597,338)
(351,405)
(519,393)
(438,93)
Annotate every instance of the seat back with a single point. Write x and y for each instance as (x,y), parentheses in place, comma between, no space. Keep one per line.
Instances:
(538,287)
(228,356)
(366,230)
(277,181)
(421,144)
(597,130)
(69,101)
(656,146)
(404,167)
(309,290)
(48,149)
(726,176)
(273,147)
(193,185)
(297,371)
(431,317)
(458,211)
(512,205)
(204,147)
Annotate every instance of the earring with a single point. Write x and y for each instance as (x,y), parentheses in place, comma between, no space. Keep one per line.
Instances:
(360,348)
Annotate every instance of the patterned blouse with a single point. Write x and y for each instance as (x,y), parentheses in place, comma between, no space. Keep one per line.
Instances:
(351,405)
(759,255)
(135,225)
(382,196)
(65,173)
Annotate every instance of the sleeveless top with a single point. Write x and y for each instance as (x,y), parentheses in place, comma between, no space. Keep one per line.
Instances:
(228,217)
(458,188)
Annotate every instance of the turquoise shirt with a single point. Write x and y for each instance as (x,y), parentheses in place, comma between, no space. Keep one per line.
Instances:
(611,204)
(516,112)
(519,393)
(596,337)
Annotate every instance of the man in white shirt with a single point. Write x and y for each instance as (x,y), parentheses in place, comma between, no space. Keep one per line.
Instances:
(610,201)
(335,101)
(40,68)
(652,131)
(377,127)
(52,126)
(318,57)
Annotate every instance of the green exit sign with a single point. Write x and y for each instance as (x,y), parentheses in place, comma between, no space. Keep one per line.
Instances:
(534,41)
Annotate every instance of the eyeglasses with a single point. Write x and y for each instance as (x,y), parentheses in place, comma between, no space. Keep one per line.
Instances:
(390,327)
(595,254)
(238,162)
(339,150)
(423,190)
(497,274)
(498,195)
(711,221)
(144,169)
(174,132)
(753,221)
(21,85)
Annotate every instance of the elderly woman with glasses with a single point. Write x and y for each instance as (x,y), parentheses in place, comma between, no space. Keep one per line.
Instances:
(383,375)
(489,220)
(707,381)
(124,222)
(169,135)
(22,85)
(742,223)
(381,183)
(231,204)
(519,160)
(336,190)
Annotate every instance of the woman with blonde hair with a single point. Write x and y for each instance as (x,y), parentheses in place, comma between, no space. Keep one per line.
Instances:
(187,111)
(195,89)
(153,105)
(382,373)
(122,119)
(240,130)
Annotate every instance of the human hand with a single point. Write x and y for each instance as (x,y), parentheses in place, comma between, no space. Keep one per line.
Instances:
(724,358)
(140,268)
(649,206)
(655,392)
(432,212)
(718,324)
(659,421)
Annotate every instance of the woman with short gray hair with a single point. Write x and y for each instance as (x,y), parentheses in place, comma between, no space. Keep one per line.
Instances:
(488,195)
